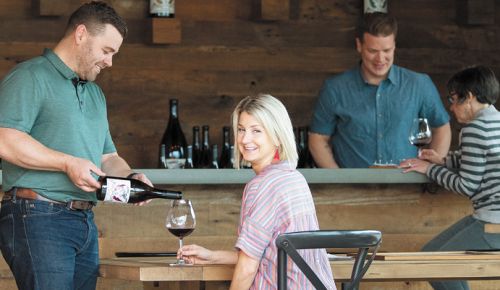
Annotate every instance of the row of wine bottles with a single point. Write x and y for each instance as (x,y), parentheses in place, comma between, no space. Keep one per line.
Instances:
(176,154)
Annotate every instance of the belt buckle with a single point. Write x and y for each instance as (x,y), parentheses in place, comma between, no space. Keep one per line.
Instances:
(80,205)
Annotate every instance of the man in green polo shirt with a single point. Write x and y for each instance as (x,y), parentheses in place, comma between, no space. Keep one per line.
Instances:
(54,141)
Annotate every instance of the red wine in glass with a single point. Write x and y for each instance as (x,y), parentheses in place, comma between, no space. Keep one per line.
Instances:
(420,134)
(180,221)
(181,233)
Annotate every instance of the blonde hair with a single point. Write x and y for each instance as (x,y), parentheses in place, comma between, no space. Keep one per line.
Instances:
(273,116)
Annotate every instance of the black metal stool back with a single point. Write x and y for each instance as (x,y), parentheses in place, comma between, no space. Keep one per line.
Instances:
(289,243)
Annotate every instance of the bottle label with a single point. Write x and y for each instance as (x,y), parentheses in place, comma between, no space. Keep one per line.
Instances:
(118,190)
(171,6)
(175,163)
(159,7)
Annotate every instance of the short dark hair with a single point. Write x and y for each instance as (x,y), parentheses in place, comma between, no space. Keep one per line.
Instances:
(377,24)
(480,81)
(94,15)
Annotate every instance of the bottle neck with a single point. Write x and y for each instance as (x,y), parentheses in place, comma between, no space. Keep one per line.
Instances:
(206,137)
(173,110)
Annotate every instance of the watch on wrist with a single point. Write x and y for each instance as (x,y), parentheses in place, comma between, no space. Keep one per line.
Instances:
(131,175)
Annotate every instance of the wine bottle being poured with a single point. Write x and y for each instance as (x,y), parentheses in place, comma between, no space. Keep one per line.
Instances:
(127,190)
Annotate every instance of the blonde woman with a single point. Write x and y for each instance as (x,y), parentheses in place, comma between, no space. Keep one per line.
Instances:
(277,200)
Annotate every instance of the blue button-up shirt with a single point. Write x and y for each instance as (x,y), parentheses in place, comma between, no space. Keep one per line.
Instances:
(371,124)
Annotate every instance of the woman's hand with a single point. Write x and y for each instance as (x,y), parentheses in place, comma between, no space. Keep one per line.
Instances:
(194,254)
(414,164)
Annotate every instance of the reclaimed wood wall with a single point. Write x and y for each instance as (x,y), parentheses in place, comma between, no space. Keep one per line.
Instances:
(228,51)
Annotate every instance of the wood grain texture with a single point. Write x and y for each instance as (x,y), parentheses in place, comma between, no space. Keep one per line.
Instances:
(226,54)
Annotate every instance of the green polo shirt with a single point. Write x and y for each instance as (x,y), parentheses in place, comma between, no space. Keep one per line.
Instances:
(42,98)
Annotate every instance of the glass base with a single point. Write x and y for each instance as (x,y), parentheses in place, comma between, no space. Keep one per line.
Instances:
(180,265)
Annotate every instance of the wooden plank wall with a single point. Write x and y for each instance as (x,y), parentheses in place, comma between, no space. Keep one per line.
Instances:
(226,53)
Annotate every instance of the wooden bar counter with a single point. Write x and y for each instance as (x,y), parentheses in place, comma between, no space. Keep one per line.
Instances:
(380,199)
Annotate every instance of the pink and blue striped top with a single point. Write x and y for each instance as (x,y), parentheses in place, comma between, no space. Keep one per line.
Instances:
(278,200)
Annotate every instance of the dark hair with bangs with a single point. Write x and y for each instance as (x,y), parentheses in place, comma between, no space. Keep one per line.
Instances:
(480,81)
(377,24)
(94,16)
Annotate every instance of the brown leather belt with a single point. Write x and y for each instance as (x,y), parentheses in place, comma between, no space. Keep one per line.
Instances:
(27,193)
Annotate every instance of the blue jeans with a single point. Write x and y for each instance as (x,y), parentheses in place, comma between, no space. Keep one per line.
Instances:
(48,246)
(466,234)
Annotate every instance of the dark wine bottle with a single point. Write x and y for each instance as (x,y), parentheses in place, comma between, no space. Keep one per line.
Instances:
(196,147)
(231,156)
(301,145)
(189,158)
(174,140)
(305,158)
(127,190)
(214,160)
(206,154)
(225,155)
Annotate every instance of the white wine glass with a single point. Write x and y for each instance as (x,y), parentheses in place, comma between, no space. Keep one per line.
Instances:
(180,222)
(420,134)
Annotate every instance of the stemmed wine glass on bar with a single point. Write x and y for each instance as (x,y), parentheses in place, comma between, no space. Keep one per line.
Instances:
(181,222)
(420,133)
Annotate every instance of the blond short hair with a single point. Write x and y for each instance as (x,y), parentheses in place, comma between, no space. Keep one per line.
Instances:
(273,116)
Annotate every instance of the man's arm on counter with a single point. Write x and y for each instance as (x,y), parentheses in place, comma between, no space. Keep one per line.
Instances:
(321,151)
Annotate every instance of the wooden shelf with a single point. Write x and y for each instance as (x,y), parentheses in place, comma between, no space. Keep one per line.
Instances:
(165,30)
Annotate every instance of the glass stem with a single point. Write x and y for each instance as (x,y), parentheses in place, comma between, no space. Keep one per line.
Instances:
(181,259)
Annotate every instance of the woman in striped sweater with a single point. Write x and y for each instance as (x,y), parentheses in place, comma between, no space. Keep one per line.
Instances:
(472,171)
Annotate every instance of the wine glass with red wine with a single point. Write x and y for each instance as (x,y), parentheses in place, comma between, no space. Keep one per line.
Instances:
(420,134)
(181,222)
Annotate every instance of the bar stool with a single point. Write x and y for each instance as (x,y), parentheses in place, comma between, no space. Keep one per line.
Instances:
(289,243)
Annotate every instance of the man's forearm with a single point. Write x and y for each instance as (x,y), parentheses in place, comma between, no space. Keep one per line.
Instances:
(441,139)
(114,165)
(321,151)
(23,150)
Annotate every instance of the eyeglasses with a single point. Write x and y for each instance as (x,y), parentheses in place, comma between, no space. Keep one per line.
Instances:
(451,100)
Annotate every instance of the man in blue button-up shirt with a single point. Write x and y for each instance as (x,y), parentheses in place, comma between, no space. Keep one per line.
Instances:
(363,116)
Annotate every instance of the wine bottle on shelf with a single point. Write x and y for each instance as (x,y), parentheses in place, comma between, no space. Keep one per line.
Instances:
(206,154)
(225,155)
(301,146)
(171,7)
(161,8)
(231,156)
(305,158)
(196,146)
(163,159)
(174,140)
(189,158)
(127,190)
(214,160)
(310,160)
